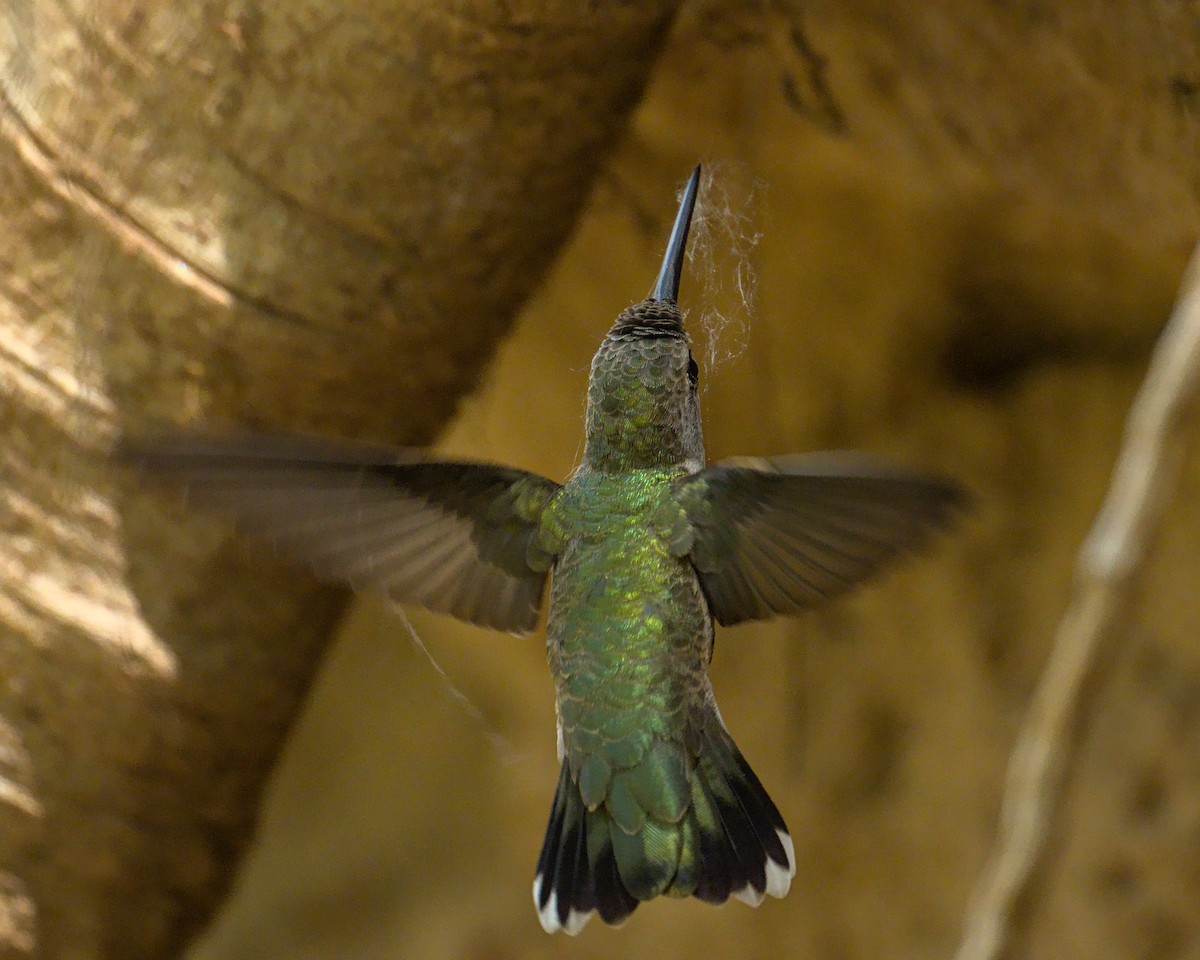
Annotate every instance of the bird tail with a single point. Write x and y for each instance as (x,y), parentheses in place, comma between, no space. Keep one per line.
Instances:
(725,839)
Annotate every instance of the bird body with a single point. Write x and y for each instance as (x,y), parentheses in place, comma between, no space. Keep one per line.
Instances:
(629,638)
(638,810)
(645,546)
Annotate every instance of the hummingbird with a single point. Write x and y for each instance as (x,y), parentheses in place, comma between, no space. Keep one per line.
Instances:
(646,547)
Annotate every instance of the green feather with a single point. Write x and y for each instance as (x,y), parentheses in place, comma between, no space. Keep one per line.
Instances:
(646,860)
(594,777)
(660,783)
(625,811)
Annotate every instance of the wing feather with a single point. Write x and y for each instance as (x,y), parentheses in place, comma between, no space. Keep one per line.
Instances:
(777,536)
(451,535)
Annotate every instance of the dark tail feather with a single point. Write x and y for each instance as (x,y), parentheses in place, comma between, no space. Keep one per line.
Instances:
(548,858)
(572,883)
(613,901)
(731,841)
(745,850)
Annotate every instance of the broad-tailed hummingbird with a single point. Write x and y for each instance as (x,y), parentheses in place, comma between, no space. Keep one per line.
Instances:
(645,546)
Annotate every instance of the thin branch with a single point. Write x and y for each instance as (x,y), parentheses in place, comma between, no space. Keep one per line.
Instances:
(1147,467)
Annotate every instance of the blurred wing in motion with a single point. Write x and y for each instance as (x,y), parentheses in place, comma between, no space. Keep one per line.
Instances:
(776,536)
(458,538)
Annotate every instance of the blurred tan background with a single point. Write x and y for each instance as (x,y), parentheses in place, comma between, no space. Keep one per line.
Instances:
(972,221)
(964,222)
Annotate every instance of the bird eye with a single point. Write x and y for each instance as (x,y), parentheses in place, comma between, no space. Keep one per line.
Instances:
(693,370)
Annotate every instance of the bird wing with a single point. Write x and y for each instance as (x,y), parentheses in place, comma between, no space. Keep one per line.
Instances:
(457,537)
(775,536)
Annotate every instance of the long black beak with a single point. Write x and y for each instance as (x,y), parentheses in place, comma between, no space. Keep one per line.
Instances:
(666,287)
